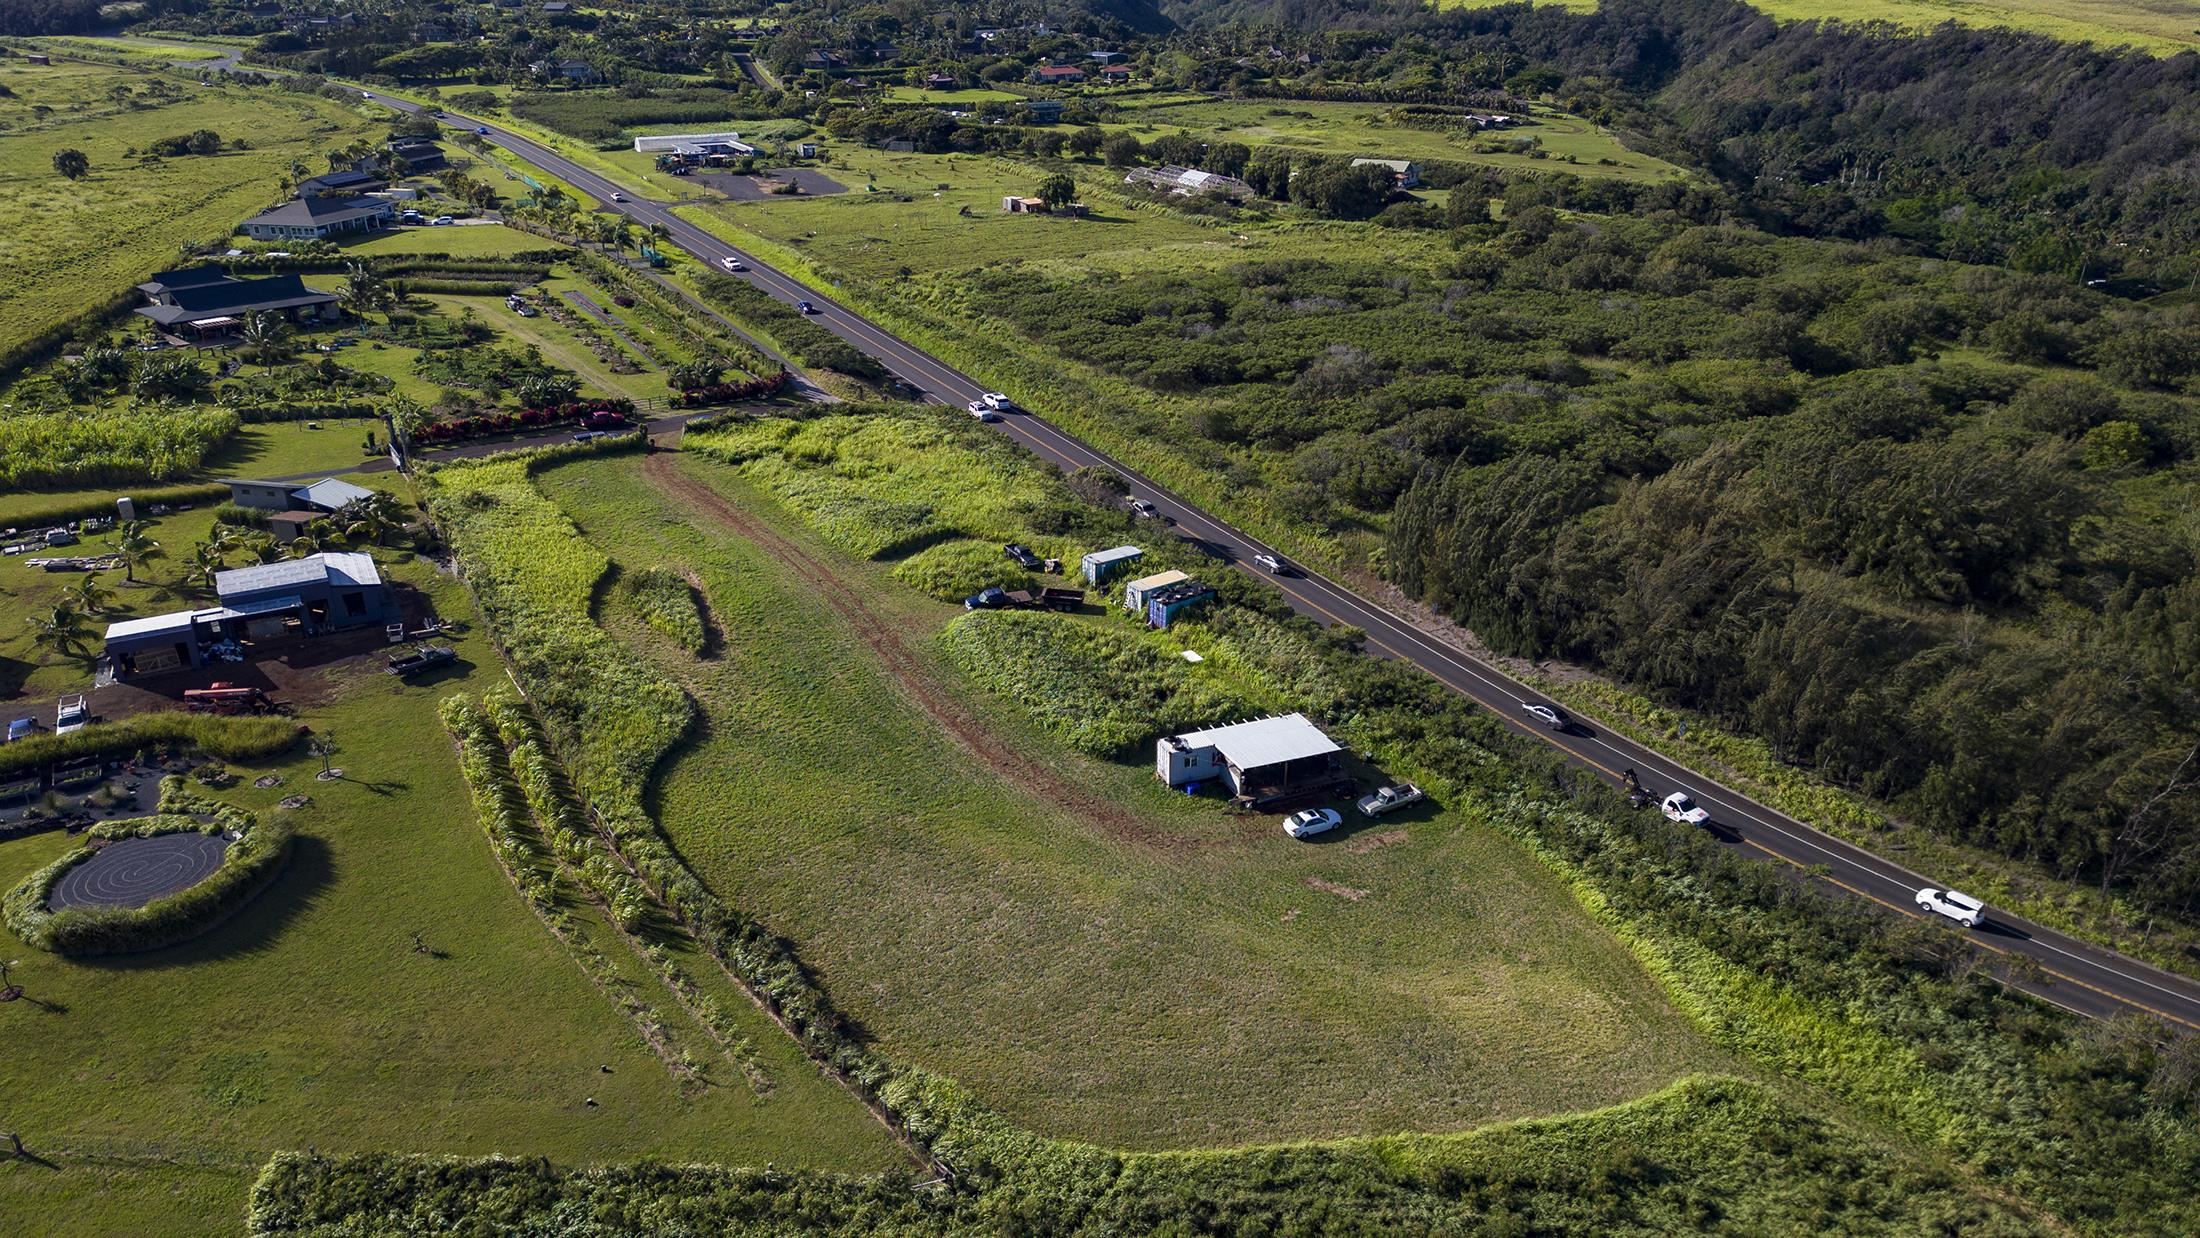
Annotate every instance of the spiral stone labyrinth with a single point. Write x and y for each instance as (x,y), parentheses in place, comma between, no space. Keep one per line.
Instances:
(134,871)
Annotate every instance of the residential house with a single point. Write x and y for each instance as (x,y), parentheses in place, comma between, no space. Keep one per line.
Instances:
(421,155)
(1404,173)
(1024,206)
(1264,756)
(264,602)
(1106,57)
(318,219)
(1043,111)
(1057,75)
(205,303)
(326,496)
(1115,74)
(824,62)
(566,70)
(939,81)
(339,184)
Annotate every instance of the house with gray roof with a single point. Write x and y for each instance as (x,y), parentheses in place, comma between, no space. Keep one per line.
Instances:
(318,219)
(205,303)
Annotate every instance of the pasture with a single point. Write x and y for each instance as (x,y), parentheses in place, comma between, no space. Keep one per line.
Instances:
(69,244)
(1094,956)
(2164,27)
(157,1083)
(1569,143)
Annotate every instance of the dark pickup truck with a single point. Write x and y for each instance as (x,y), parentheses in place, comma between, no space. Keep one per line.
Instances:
(997,598)
(427,657)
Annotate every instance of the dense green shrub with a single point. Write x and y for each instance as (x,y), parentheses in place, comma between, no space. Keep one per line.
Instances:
(84,448)
(1102,690)
(953,570)
(251,863)
(667,603)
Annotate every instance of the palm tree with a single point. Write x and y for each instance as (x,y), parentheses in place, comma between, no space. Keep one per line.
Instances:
(297,171)
(137,548)
(206,561)
(261,546)
(266,338)
(63,630)
(92,595)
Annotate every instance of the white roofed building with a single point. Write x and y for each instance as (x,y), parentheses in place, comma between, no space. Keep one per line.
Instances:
(1263,757)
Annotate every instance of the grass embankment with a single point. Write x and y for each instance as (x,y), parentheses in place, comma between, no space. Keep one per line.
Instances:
(2164,27)
(1090,954)
(157,1083)
(70,244)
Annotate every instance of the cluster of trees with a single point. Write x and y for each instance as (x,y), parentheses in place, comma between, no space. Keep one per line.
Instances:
(1727,467)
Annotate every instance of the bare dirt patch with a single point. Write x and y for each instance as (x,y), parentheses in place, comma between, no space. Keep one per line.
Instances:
(1374,842)
(904,668)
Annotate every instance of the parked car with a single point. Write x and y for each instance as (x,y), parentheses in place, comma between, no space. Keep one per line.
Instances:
(1023,556)
(992,597)
(441,220)
(590,436)
(1311,822)
(995,400)
(733,264)
(1144,510)
(1682,807)
(1549,715)
(72,715)
(1273,565)
(22,728)
(1397,795)
(1961,908)
(979,410)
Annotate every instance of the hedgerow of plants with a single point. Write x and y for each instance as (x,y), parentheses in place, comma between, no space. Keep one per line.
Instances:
(227,739)
(1101,690)
(666,602)
(250,864)
(789,328)
(953,570)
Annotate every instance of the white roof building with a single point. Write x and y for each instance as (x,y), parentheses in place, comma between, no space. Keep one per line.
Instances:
(1261,755)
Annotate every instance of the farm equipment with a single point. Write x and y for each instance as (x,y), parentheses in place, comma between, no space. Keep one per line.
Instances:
(229,699)
(426,657)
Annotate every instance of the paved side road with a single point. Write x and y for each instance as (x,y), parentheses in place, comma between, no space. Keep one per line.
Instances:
(2078,976)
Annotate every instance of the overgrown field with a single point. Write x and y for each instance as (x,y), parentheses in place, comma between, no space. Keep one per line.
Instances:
(1089,954)
(69,246)
(157,1083)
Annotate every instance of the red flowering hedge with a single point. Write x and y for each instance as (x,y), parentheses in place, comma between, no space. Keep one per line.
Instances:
(731,393)
(588,415)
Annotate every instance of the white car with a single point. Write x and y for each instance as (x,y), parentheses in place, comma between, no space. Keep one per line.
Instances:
(1271,564)
(1961,908)
(1548,715)
(980,410)
(1144,510)
(1311,822)
(618,197)
(1682,807)
(442,220)
(733,264)
(1001,403)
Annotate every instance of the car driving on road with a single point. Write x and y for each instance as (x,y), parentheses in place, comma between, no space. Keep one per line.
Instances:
(998,402)
(1311,822)
(805,307)
(616,196)
(980,410)
(1682,807)
(1549,715)
(733,264)
(1961,908)
(1144,510)
(1272,564)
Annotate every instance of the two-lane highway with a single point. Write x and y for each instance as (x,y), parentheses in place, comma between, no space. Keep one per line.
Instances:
(2078,976)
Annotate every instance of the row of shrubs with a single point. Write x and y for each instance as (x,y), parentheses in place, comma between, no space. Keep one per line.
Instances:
(224,738)
(601,415)
(732,393)
(700,336)
(251,863)
(666,602)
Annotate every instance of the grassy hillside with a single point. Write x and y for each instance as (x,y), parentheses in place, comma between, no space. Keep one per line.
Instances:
(2162,26)
(69,245)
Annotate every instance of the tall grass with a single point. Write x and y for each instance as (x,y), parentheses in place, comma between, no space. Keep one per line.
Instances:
(88,448)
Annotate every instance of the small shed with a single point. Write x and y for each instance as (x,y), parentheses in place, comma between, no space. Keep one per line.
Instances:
(1261,757)
(1102,566)
(153,645)
(1134,593)
(1164,604)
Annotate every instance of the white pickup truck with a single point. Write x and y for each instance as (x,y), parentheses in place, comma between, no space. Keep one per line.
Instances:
(1389,798)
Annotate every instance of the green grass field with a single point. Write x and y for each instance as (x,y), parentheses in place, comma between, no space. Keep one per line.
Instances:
(968,94)
(2161,26)
(69,244)
(1096,957)
(1358,129)
(156,1084)
(469,241)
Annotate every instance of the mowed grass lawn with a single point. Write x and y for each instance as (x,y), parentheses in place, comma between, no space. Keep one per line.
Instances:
(1135,968)
(157,1084)
(67,245)
(1358,129)
(453,241)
